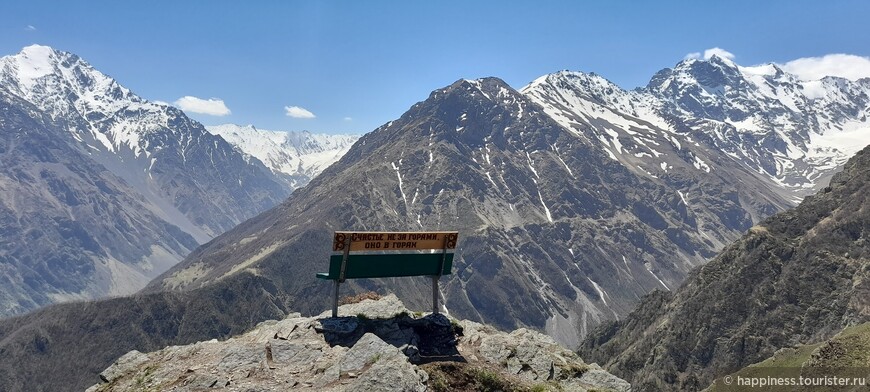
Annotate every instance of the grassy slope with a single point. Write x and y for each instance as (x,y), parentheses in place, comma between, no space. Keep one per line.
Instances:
(849,350)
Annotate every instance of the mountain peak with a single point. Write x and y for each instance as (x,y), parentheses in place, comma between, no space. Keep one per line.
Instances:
(41,58)
(712,75)
(490,89)
(590,82)
(485,85)
(33,62)
(298,155)
(55,70)
(722,60)
(37,50)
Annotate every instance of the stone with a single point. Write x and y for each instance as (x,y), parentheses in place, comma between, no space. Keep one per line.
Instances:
(604,380)
(237,358)
(390,373)
(127,363)
(367,351)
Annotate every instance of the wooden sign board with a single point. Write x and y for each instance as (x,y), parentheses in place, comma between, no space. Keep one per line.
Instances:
(394,241)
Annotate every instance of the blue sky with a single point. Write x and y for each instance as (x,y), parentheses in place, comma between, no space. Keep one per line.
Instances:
(357,64)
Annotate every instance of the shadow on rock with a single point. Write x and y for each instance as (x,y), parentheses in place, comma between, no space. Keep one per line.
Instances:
(423,340)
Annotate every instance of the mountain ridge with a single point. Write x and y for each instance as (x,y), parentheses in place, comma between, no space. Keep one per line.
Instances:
(130,136)
(796,133)
(57,243)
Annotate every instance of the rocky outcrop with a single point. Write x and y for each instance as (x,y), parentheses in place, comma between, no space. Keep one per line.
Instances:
(379,346)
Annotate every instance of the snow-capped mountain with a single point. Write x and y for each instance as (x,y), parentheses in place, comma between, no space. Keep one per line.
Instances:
(69,228)
(555,233)
(300,156)
(186,172)
(795,133)
(575,197)
(189,184)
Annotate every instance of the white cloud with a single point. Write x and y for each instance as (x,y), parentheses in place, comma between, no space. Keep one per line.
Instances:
(348,119)
(30,28)
(211,106)
(843,65)
(722,53)
(298,112)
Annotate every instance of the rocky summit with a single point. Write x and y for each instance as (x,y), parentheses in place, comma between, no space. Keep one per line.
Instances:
(378,345)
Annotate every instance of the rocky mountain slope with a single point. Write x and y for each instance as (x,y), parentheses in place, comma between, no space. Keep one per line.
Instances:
(172,172)
(171,160)
(555,234)
(798,277)
(300,156)
(69,228)
(378,346)
(628,127)
(845,355)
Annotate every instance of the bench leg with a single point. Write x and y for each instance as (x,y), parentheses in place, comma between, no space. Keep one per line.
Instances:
(435,294)
(335,300)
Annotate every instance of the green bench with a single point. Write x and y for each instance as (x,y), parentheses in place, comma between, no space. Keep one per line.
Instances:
(360,255)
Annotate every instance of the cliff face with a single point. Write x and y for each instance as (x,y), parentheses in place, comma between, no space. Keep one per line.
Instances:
(377,346)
